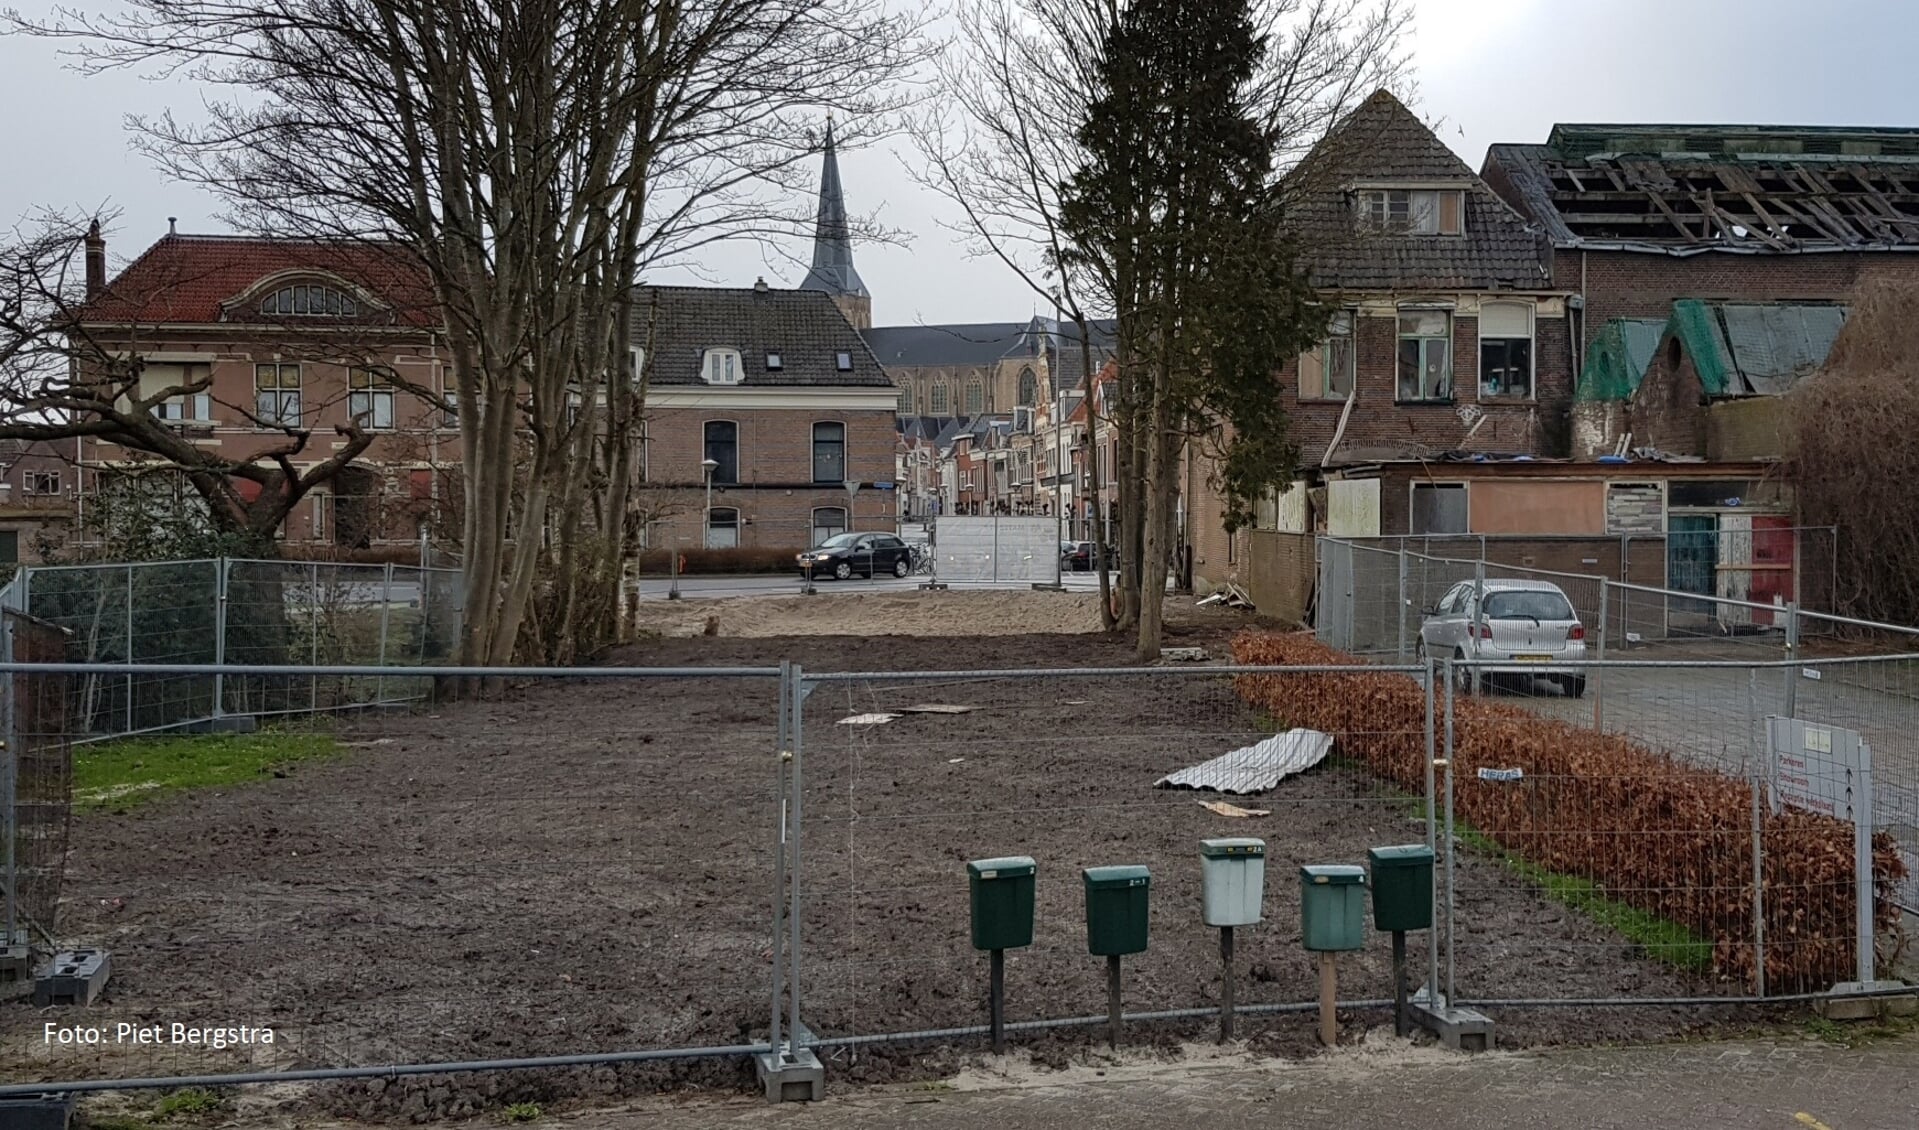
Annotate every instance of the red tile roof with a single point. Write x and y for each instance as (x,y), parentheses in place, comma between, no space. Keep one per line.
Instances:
(195,279)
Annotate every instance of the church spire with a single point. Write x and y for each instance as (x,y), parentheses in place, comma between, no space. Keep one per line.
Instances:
(833,271)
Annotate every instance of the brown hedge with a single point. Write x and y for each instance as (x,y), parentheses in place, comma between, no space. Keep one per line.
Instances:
(1658,834)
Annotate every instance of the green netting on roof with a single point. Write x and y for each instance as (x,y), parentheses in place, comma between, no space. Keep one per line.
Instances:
(1695,325)
(1616,360)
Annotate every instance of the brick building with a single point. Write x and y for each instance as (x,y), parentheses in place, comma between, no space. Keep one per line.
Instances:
(39,488)
(249,347)
(778,390)
(1447,331)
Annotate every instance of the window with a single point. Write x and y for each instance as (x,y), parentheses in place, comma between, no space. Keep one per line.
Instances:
(43,482)
(1028,388)
(828,521)
(829,453)
(906,401)
(1425,355)
(277,394)
(9,546)
(309,302)
(1414,211)
(975,397)
(722,367)
(635,364)
(773,361)
(1326,372)
(182,407)
(369,399)
(1505,349)
(197,406)
(1439,508)
(722,528)
(938,406)
(843,361)
(723,447)
(1528,604)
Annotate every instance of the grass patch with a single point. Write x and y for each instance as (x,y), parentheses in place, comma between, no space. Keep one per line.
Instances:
(1860,1033)
(522,1112)
(191,1103)
(125,772)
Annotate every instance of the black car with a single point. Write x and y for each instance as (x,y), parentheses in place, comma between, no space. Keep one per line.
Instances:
(843,555)
(1078,556)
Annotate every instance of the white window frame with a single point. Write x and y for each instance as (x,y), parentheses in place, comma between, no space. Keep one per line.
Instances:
(1315,376)
(732,528)
(937,401)
(722,366)
(820,532)
(279,404)
(174,409)
(285,302)
(369,400)
(1531,338)
(1411,211)
(813,450)
(41,484)
(1400,337)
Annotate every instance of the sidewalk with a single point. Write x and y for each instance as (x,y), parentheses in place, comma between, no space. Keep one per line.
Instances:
(1790,1084)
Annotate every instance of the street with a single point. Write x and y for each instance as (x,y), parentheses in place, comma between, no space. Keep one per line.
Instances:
(773,584)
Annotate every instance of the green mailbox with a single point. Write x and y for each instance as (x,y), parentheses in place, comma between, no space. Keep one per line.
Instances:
(1402,887)
(1002,895)
(1116,909)
(1332,907)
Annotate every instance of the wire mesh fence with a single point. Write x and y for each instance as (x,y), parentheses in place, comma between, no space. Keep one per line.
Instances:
(230,611)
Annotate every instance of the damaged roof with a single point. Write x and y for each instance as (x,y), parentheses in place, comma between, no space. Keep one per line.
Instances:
(1754,349)
(1688,189)
(1618,358)
(1380,144)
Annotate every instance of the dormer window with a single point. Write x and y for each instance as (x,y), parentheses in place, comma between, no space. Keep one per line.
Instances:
(773,362)
(843,362)
(722,367)
(309,302)
(1413,211)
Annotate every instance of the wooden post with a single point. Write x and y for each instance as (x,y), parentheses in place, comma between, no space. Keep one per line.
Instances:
(1328,996)
(1225,984)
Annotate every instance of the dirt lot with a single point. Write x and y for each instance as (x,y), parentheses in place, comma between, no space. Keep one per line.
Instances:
(915,613)
(587,866)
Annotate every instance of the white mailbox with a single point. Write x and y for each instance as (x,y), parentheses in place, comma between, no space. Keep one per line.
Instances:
(1233,880)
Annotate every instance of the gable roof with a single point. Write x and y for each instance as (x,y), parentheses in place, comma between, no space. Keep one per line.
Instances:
(1753,349)
(803,326)
(958,345)
(1693,189)
(1380,143)
(1618,357)
(191,279)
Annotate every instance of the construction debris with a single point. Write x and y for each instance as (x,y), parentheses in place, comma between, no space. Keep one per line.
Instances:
(1230,595)
(935,708)
(868,719)
(1255,768)
(1222,808)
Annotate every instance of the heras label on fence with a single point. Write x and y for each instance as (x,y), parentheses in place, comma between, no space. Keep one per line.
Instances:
(1502,774)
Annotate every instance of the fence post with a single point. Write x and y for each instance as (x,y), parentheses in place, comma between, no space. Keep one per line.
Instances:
(1863,902)
(1432,819)
(313,633)
(1479,606)
(1792,660)
(1452,840)
(1598,679)
(782,754)
(130,658)
(793,924)
(1758,893)
(219,637)
(9,784)
(1402,602)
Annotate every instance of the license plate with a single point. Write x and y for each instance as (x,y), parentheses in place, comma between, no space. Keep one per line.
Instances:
(1532,658)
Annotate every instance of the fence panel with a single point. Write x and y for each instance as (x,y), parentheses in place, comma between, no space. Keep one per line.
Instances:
(995,550)
(583,865)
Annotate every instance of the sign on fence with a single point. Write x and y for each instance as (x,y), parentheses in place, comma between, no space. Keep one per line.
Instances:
(1828,770)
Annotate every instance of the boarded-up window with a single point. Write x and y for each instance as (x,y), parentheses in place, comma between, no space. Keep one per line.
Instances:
(1635,508)
(1326,370)
(1439,508)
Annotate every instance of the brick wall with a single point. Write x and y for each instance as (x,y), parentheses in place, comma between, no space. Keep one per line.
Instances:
(776,494)
(1669,411)
(1623,284)
(1749,428)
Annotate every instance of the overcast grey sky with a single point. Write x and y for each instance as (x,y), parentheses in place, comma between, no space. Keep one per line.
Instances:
(1488,71)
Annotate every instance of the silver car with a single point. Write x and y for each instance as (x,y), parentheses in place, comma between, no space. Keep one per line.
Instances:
(1526,628)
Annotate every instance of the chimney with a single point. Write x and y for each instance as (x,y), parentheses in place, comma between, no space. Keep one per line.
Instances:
(173,225)
(96,261)
(759,285)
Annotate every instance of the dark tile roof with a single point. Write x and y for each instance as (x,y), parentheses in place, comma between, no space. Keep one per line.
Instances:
(1684,190)
(804,327)
(1382,142)
(192,280)
(911,347)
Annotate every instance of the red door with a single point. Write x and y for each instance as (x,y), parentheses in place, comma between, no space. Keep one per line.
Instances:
(1772,580)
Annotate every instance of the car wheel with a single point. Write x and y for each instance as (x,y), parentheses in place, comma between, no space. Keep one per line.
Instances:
(1463,677)
(1575,686)
(901,568)
(843,571)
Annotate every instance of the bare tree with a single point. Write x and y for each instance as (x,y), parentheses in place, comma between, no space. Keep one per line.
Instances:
(63,377)
(538,154)
(1014,94)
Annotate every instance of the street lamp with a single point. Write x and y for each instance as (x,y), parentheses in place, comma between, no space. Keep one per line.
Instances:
(706,523)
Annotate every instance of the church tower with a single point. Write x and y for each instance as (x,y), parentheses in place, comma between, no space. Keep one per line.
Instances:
(833,270)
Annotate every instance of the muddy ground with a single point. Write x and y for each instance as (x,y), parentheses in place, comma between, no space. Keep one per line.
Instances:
(587,866)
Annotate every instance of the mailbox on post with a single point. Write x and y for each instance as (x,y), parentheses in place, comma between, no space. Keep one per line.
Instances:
(1115,925)
(1001,894)
(1332,912)
(1402,901)
(1233,881)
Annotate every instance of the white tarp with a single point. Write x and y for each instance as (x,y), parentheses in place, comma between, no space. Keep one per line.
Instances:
(1255,768)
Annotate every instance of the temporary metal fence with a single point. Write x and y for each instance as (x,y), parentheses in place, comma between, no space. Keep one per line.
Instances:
(241,612)
(601,870)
